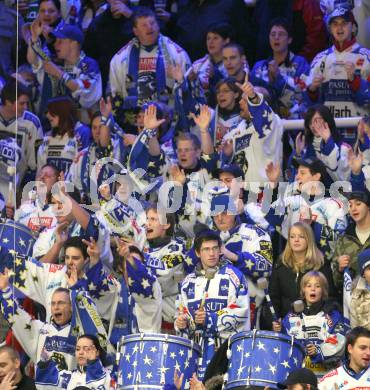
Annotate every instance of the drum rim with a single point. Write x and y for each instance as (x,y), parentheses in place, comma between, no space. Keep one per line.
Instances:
(243,382)
(267,335)
(140,387)
(158,337)
(11,224)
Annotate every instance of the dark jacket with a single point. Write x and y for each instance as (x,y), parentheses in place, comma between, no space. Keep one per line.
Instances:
(104,38)
(285,286)
(194,17)
(26,383)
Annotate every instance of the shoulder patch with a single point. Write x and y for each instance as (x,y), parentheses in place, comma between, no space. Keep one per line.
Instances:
(28,116)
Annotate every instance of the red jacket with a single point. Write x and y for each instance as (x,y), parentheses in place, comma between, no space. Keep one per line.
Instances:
(316,37)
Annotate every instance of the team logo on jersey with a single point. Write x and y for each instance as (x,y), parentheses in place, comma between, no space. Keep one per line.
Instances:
(190,291)
(223,289)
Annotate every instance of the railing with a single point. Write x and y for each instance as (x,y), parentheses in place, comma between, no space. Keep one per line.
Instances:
(297,124)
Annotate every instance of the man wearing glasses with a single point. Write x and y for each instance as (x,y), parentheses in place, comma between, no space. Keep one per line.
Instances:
(213,303)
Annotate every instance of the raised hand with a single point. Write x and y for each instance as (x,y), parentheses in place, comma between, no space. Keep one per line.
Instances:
(363,130)
(72,276)
(203,119)
(247,88)
(93,251)
(195,383)
(322,129)
(8,381)
(228,254)
(273,171)
(300,143)
(61,233)
(178,379)
(36,29)
(350,70)
(175,72)
(355,161)
(316,82)
(105,106)
(177,174)
(123,248)
(150,118)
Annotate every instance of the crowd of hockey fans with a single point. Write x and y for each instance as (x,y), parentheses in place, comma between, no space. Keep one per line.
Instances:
(150,184)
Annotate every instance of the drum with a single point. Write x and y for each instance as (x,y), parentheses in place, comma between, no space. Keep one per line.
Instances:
(17,237)
(262,358)
(149,361)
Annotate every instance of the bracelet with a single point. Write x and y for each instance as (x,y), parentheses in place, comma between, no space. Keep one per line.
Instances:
(253,98)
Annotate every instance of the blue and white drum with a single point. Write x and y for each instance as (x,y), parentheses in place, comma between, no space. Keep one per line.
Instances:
(262,358)
(17,237)
(148,361)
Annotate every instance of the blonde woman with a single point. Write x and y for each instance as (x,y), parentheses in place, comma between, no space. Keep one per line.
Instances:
(300,256)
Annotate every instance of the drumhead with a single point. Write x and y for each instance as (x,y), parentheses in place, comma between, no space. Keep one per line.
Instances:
(265,334)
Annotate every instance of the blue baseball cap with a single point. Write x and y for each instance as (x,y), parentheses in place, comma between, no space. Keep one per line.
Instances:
(69,31)
(221,200)
(363,260)
(340,12)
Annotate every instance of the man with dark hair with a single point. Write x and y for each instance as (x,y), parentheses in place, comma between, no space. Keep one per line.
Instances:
(235,61)
(140,71)
(300,379)
(11,375)
(210,69)
(214,295)
(355,371)
(284,71)
(20,133)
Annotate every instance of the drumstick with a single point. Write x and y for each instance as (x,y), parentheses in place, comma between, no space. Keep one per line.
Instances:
(11,172)
(298,307)
(262,283)
(209,275)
